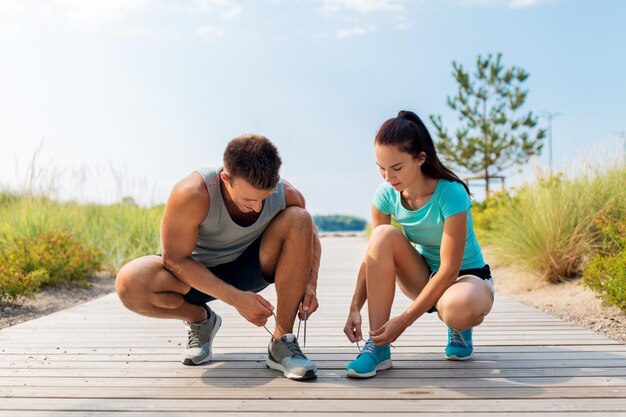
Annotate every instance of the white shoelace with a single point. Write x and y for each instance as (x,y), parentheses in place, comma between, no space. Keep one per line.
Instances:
(280,330)
(366,344)
(457,337)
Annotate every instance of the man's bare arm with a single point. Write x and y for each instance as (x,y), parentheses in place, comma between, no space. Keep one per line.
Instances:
(186,209)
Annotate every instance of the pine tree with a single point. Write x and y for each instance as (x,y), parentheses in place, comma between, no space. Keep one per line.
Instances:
(493,135)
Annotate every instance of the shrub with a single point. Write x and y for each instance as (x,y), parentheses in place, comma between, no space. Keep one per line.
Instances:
(606,273)
(62,256)
(52,257)
(15,283)
(485,214)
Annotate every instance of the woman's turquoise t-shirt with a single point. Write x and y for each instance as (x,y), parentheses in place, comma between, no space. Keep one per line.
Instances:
(424,227)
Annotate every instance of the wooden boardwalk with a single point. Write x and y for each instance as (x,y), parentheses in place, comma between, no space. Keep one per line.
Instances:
(98,359)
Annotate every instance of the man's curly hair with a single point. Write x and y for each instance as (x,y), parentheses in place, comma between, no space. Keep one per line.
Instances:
(255,159)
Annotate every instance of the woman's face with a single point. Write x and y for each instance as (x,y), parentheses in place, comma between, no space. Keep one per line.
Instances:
(398,168)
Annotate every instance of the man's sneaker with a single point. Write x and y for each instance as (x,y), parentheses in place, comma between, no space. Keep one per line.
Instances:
(459,346)
(371,359)
(284,355)
(200,336)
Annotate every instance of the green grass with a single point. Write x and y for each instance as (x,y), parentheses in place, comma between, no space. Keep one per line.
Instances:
(43,241)
(121,231)
(548,228)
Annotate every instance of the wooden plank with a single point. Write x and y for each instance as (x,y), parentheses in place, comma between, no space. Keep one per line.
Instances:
(334,393)
(324,381)
(294,406)
(262,372)
(419,365)
(193,413)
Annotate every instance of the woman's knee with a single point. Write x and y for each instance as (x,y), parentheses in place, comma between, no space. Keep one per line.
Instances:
(462,309)
(384,236)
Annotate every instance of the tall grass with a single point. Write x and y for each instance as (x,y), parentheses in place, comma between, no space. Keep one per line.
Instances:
(120,231)
(549,227)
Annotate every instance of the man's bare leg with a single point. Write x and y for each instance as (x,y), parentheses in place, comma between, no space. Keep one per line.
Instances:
(147,288)
(286,253)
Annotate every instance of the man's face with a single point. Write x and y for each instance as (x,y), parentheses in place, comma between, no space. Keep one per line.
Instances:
(244,195)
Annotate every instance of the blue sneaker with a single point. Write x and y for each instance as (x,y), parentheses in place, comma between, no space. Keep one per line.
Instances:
(459,346)
(371,359)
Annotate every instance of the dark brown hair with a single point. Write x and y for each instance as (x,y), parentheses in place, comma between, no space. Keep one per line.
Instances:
(409,134)
(253,158)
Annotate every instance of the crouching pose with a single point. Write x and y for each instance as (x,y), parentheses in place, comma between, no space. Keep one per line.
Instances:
(435,259)
(228,233)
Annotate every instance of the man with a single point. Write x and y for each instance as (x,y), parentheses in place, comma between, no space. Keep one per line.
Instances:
(227,234)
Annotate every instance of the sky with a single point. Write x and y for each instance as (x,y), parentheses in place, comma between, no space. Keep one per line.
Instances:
(125,97)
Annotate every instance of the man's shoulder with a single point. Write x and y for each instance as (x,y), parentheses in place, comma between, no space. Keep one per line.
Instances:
(293,197)
(190,190)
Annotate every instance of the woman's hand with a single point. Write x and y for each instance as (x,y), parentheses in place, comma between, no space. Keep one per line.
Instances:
(390,331)
(352,329)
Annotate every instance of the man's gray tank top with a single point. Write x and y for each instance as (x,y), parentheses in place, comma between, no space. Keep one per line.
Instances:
(220,239)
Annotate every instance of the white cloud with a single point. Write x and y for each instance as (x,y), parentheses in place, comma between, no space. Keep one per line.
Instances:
(11,7)
(10,18)
(519,4)
(514,4)
(127,18)
(209,5)
(232,12)
(364,15)
(357,31)
(209,32)
(97,12)
(361,6)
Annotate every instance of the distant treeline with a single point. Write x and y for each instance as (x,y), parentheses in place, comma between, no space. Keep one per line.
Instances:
(339,223)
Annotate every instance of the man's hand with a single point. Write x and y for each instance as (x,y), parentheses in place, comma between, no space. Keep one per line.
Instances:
(352,329)
(389,331)
(309,303)
(253,307)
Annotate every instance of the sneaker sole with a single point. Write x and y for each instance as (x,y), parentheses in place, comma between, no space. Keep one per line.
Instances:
(380,367)
(459,358)
(207,358)
(310,374)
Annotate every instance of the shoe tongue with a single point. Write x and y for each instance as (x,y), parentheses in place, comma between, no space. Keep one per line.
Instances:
(289,337)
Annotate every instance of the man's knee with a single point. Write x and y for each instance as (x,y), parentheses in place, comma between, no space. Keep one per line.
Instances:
(124,285)
(130,285)
(296,219)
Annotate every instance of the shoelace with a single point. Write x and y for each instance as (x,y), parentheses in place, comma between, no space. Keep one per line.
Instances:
(366,343)
(280,330)
(294,348)
(299,323)
(369,347)
(193,335)
(457,337)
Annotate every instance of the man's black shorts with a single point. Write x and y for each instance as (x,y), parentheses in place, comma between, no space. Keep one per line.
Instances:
(244,273)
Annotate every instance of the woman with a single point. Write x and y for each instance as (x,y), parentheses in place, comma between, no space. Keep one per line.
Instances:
(444,271)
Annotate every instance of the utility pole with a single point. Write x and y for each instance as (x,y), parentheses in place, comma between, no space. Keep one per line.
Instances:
(550,115)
